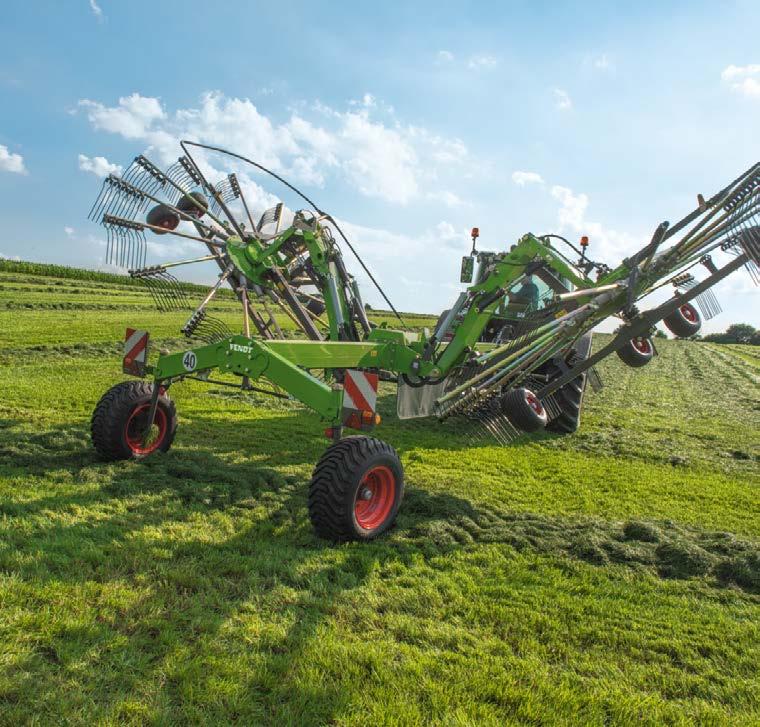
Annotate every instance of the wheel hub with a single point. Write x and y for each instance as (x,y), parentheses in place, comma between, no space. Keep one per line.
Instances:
(375,497)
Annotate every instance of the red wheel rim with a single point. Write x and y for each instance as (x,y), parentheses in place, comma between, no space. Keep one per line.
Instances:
(534,403)
(133,432)
(642,345)
(375,497)
(688,312)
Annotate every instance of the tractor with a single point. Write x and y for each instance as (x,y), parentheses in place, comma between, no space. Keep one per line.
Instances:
(512,355)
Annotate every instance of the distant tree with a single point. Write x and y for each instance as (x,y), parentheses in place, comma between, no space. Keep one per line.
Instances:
(660,334)
(736,333)
(740,332)
(367,306)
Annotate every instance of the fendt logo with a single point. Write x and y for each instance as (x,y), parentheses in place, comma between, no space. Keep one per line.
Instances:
(240,349)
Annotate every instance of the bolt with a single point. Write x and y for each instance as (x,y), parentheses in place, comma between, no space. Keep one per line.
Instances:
(365,494)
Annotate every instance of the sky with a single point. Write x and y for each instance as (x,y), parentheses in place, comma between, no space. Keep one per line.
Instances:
(409,122)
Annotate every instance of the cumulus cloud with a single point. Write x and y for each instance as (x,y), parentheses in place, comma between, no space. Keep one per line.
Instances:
(444,56)
(9,257)
(132,117)
(70,232)
(96,10)
(562,100)
(571,216)
(380,157)
(522,179)
(744,80)
(99,166)
(10,162)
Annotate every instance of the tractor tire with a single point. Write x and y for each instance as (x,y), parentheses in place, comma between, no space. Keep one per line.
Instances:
(119,419)
(164,217)
(356,490)
(187,204)
(637,352)
(684,321)
(570,397)
(524,410)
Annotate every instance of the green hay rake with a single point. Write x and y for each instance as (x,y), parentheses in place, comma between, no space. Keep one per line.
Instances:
(512,355)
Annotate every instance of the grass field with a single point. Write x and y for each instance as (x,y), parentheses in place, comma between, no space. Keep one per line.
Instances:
(608,577)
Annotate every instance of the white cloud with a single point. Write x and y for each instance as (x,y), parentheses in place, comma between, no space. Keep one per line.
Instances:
(99,166)
(744,80)
(96,10)
(444,56)
(571,216)
(70,232)
(380,158)
(521,179)
(15,258)
(133,118)
(562,100)
(10,162)
(481,61)
(448,198)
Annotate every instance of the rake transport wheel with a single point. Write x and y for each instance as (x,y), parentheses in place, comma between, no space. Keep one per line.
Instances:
(570,396)
(524,410)
(356,489)
(637,352)
(684,321)
(118,422)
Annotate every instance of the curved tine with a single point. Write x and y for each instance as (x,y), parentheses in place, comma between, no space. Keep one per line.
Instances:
(172,288)
(127,248)
(151,178)
(159,295)
(93,215)
(211,189)
(103,200)
(131,171)
(163,300)
(117,246)
(107,257)
(134,259)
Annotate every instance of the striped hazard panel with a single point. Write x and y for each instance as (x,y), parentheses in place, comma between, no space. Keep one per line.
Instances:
(135,352)
(359,399)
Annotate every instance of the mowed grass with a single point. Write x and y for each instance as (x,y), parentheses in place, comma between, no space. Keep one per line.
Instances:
(608,577)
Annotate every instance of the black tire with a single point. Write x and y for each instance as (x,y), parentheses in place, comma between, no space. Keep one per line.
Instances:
(637,352)
(684,321)
(164,217)
(119,418)
(570,397)
(189,207)
(524,410)
(351,472)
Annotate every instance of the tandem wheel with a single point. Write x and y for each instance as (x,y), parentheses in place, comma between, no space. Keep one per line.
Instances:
(356,489)
(118,422)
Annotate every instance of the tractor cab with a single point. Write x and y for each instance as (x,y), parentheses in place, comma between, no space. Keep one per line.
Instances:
(524,305)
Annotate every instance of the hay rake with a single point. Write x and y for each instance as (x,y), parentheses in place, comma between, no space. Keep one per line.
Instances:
(512,355)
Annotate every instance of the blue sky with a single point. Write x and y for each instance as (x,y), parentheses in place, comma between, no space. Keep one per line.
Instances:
(411,122)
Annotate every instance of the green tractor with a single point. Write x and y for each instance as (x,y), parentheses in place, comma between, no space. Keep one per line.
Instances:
(512,354)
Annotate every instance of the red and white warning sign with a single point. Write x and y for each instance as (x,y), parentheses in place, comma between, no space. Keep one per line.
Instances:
(359,399)
(135,352)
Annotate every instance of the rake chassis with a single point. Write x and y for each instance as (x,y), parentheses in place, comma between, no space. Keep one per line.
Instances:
(506,386)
